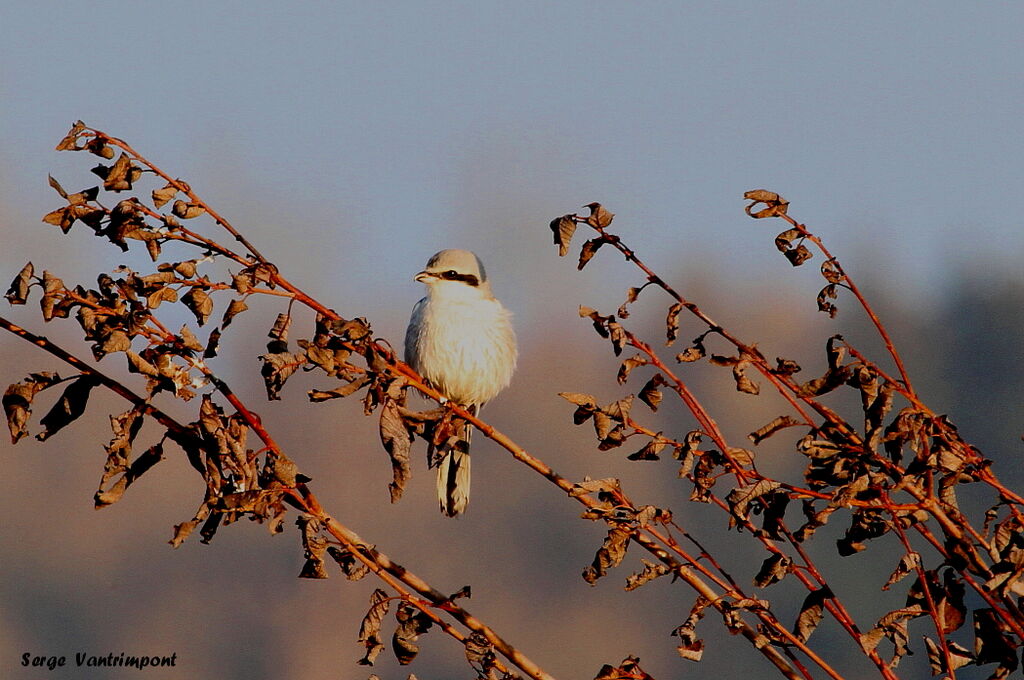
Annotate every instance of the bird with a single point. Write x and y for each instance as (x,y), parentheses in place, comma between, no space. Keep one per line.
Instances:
(460,339)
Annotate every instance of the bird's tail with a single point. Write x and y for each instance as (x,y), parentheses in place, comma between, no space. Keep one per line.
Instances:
(453,475)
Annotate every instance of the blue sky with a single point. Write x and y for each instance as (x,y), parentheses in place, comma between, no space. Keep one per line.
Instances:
(892,129)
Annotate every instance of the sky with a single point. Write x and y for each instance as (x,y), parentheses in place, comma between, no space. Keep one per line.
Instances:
(350,141)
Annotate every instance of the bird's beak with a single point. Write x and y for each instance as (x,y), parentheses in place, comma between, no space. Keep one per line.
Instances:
(423,277)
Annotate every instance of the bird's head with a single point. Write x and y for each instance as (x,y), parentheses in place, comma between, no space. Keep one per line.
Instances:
(456,273)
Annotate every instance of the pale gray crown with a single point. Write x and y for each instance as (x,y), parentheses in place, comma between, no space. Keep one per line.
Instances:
(461,261)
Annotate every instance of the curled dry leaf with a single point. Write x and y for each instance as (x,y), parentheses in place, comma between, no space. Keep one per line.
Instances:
(775,205)
(369,629)
(17,294)
(609,555)
(563,228)
(599,217)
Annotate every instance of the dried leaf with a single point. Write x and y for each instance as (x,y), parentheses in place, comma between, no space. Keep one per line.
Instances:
(775,205)
(690,646)
(959,656)
(798,255)
(627,367)
(164,194)
(17,294)
(609,555)
(589,249)
(672,323)
(599,217)
(743,383)
(17,401)
(369,629)
(773,570)
(411,624)
(234,308)
(650,394)
(908,563)
(199,303)
(811,613)
(397,442)
(563,228)
(70,141)
(139,467)
(68,408)
(762,433)
(651,571)
(739,499)
(186,210)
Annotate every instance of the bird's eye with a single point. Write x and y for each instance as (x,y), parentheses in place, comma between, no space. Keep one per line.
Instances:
(451,273)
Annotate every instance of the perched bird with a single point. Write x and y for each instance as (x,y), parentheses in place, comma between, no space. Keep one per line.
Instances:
(460,338)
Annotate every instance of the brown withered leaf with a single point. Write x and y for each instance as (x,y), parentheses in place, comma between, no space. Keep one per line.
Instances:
(349,563)
(739,499)
(650,450)
(958,656)
(411,624)
(629,668)
(650,394)
(212,344)
(672,323)
(189,340)
(617,334)
(631,295)
(651,571)
(797,256)
(164,194)
(277,368)
(480,655)
(609,555)
(161,294)
(784,241)
(70,141)
(627,367)
(743,383)
(811,613)
(785,367)
(563,228)
(120,175)
(17,401)
(765,431)
(773,570)
(824,295)
(775,205)
(599,217)
(234,308)
(98,146)
(908,563)
(343,391)
(397,442)
(68,408)
(369,629)
(894,627)
(691,354)
(53,287)
(832,272)
(139,467)
(992,642)
(199,303)
(690,646)
(186,210)
(590,249)
(17,294)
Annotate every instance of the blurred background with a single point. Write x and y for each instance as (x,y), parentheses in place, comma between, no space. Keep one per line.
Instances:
(350,141)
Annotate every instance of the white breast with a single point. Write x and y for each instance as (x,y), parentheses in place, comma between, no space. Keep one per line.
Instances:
(465,348)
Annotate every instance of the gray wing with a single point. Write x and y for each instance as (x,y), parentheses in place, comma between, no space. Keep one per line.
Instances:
(412,334)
